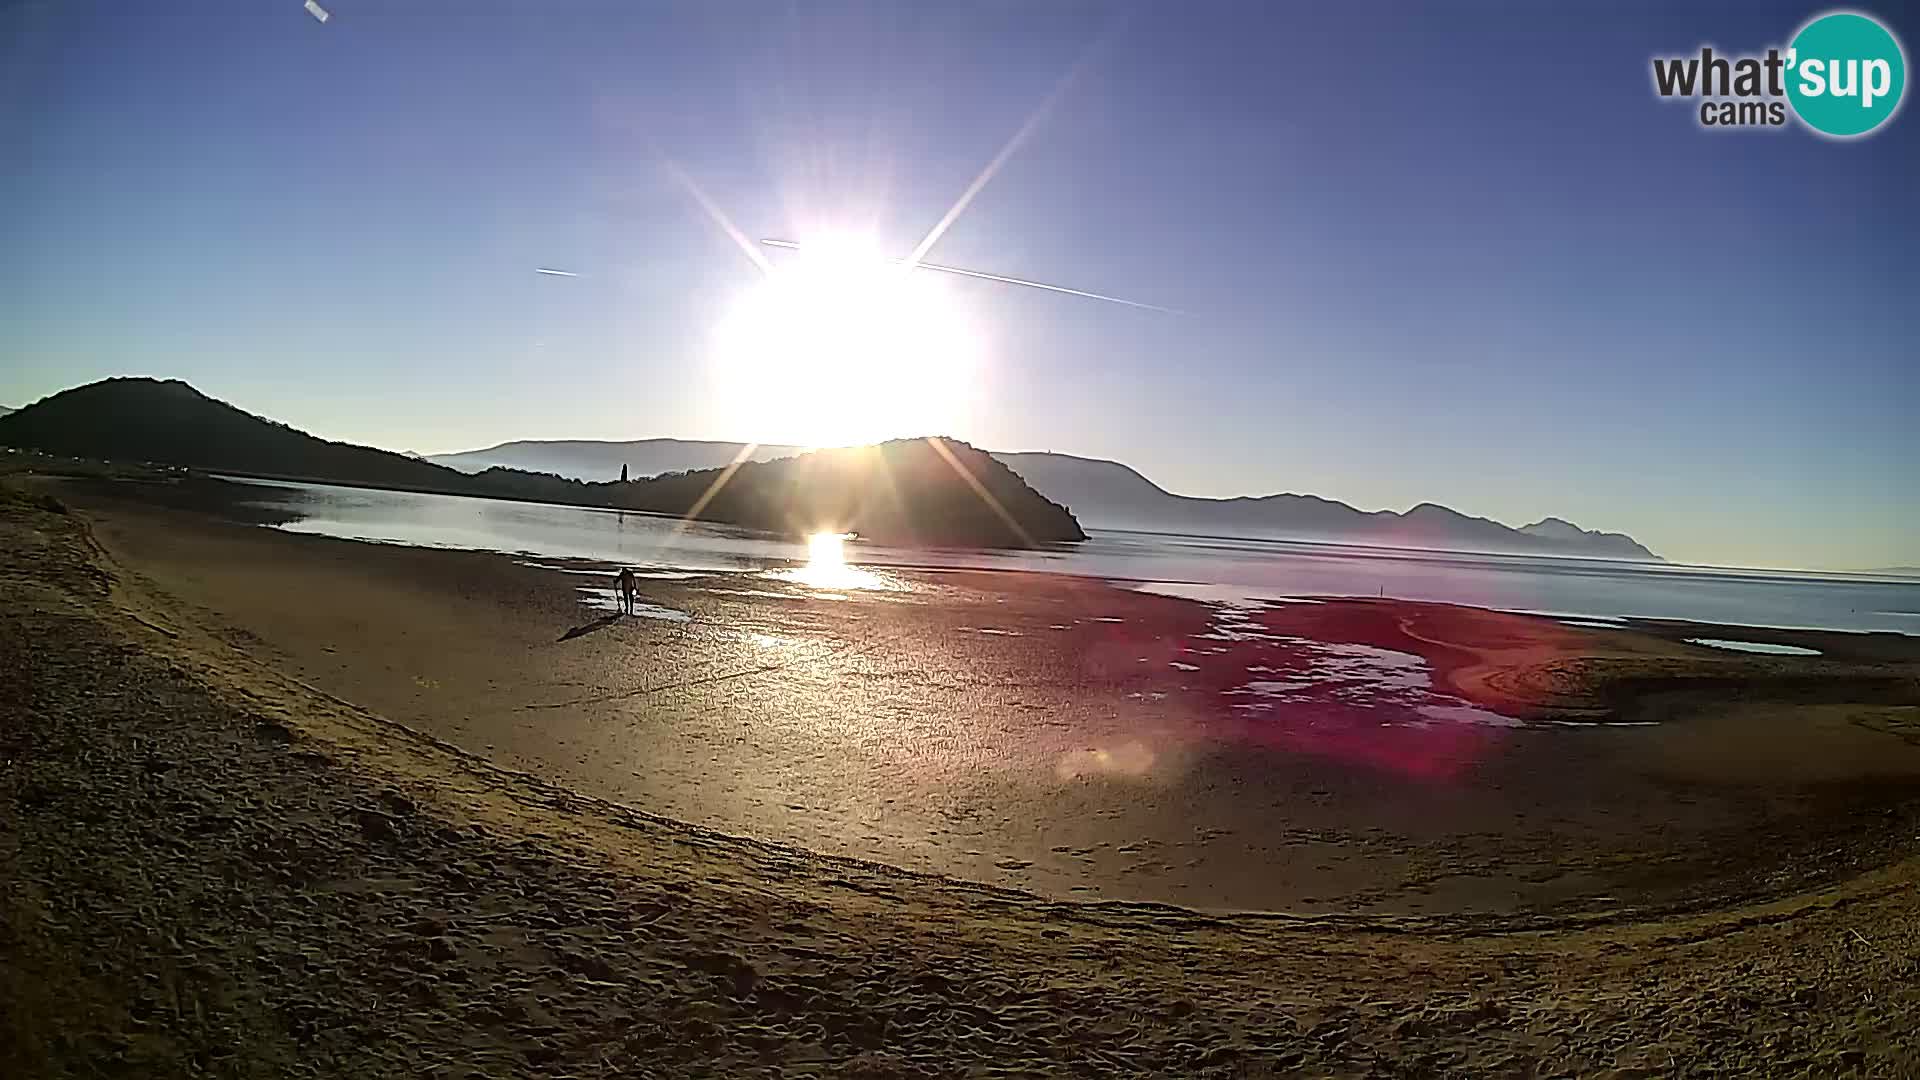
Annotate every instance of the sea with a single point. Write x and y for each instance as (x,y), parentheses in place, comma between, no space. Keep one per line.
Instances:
(1214,569)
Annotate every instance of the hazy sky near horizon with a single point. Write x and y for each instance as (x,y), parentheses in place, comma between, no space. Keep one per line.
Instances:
(1461,256)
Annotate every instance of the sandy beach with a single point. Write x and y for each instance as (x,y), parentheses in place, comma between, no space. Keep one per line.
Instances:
(1085,741)
(292,805)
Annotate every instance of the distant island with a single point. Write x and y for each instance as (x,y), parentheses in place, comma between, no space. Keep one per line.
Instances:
(931,491)
(1108,494)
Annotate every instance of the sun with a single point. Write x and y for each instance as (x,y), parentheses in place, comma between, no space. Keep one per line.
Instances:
(837,345)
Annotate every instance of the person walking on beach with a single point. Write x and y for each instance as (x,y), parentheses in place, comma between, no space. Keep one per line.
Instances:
(627,584)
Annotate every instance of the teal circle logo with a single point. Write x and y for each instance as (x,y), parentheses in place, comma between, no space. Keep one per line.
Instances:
(1846,74)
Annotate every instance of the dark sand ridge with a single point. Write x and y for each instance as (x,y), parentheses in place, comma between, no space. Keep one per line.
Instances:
(889,726)
(206,866)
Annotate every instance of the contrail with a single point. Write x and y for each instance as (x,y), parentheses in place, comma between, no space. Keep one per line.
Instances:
(789,245)
(555,273)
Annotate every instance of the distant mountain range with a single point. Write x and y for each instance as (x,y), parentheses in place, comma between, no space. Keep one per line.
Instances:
(172,423)
(1111,495)
(912,491)
(1107,493)
(585,459)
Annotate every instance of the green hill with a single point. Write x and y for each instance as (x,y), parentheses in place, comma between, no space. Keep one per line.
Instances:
(908,491)
(171,423)
(911,491)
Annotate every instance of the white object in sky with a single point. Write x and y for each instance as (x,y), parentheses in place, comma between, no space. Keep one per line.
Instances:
(318,12)
(555,273)
(915,264)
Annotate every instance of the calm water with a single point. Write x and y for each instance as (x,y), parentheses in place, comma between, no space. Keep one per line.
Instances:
(1206,568)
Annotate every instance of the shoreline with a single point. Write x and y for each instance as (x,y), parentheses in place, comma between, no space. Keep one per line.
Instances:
(219,495)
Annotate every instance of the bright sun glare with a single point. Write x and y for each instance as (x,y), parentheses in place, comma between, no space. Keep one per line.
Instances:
(826,567)
(837,346)
(826,551)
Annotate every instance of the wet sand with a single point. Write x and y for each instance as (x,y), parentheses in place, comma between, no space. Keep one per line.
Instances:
(208,866)
(1082,741)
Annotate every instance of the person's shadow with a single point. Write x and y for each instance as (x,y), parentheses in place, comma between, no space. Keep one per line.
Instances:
(600,623)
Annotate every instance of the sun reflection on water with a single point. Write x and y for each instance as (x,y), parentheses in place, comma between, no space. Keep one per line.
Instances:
(826,567)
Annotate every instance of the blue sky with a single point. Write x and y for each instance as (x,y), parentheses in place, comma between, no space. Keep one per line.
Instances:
(1459,255)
